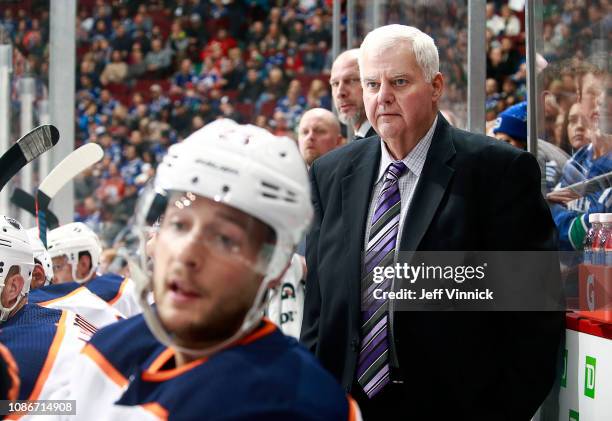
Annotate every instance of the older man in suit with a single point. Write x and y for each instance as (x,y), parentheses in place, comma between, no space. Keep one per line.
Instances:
(424,186)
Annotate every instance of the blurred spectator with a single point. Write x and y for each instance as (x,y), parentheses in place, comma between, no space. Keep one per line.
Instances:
(116,71)
(184,76)
(159,59)
(512,25)
(293,105)
(137,66)
(576,127)
(318,95)
(251,88)
(495,23)
(121,41)
(132,164)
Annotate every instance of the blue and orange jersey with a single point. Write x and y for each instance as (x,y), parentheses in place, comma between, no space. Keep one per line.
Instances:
(78,299)
(125,373)
(117,291)
(44,342)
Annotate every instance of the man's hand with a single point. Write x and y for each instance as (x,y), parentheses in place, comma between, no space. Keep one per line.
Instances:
(563,196)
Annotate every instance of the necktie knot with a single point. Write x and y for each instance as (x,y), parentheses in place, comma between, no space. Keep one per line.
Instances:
(395,170)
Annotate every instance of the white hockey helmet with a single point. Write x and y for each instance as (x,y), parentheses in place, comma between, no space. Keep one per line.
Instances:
(15,250)
(41,254)
(246,168)
(71,240)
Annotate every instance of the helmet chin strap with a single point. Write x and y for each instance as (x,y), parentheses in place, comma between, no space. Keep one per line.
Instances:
(250,322)
(5,312)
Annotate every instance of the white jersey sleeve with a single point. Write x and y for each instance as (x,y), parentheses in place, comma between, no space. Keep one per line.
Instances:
(82,301)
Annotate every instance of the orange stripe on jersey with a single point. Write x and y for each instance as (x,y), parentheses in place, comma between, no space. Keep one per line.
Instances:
(154,375)
(120,293)
(13,372)
(353,409)
(53,351)
(161,359)
(106,367)
(63,297)
(156,409)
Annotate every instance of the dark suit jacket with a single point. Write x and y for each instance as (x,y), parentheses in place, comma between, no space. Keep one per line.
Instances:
(474,193)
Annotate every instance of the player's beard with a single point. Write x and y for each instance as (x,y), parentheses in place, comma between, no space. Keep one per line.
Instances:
(203,334)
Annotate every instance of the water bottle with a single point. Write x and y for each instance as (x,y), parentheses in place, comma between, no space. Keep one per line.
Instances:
(605,233)
(589,239)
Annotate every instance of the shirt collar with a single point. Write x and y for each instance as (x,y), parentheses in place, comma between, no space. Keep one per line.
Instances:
(363,129)
(414,161)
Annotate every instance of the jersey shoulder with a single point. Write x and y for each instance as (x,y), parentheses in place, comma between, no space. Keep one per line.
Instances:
(51,292)
(106,286)
(126,344)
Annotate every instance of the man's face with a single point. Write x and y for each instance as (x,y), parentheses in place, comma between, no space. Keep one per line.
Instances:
(316,137)
(204,283)
(400,104)
(347,91)
(62,270)
(38,277)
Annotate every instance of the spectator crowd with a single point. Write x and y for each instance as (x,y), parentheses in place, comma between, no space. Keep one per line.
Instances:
(150,73)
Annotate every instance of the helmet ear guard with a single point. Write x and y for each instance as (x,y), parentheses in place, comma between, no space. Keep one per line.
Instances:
(243,167)
(41,254)
(15,250)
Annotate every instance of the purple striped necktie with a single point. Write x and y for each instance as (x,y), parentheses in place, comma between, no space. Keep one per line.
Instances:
(373,364)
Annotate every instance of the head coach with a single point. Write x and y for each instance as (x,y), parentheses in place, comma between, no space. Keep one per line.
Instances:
(422,185)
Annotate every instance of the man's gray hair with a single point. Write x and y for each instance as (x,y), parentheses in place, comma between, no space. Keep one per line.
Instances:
(388,36)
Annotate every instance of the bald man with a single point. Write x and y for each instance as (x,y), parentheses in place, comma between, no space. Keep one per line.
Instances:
(348,94)
(318,133)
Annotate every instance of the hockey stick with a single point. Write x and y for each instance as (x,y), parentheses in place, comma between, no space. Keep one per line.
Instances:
(27,202)
(27,148)
(79,160)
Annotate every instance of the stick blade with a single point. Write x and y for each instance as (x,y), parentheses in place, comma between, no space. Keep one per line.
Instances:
(38,141)
(79,160)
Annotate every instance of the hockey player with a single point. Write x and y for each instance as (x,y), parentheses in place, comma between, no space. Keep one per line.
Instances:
(75,250)
(44,342)
(65,296)
(234,202)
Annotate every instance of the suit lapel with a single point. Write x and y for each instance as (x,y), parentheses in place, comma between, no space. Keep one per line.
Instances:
(357,187)
(430,189)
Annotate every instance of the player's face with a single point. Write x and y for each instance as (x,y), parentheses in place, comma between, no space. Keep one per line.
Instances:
(38,277)
(83,266)
(62,270)
(400,104)
(204,281)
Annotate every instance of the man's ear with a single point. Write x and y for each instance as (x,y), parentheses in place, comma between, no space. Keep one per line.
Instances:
(437,84)
(12,288)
